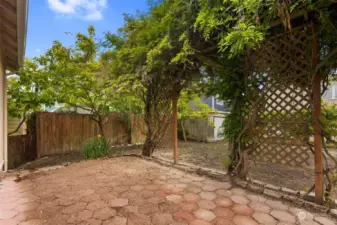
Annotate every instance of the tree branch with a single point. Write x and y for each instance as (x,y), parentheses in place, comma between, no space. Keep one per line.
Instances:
(24,117)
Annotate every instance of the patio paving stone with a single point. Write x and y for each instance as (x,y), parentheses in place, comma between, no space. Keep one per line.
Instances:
(133,191)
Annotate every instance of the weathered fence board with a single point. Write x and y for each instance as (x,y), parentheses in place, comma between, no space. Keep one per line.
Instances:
(59,133)
(21,149)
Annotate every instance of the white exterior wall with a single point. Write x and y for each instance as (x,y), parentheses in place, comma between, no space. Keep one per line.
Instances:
(3,115)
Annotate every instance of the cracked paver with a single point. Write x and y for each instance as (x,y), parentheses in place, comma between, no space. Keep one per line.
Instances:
(132,191)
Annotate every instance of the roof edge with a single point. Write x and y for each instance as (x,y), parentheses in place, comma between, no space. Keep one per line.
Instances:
(22,20)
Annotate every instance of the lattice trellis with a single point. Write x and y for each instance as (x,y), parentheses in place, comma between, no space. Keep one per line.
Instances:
(279,90)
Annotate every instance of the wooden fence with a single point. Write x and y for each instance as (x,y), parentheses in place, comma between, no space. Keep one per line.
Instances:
(59,133)
(21,149)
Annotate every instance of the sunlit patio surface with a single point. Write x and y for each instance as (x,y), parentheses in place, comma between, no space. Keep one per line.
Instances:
(133,191)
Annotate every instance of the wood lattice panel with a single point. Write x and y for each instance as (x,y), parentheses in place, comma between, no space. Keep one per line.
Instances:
(279,84)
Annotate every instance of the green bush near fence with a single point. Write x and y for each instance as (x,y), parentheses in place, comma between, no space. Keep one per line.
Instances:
(96,148)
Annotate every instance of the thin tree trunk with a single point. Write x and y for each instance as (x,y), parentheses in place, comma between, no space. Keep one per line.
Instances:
(183,129)
(19,126)
(101,126)
(148,146)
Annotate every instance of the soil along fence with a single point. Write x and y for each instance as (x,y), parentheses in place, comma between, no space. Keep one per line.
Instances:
(58,133)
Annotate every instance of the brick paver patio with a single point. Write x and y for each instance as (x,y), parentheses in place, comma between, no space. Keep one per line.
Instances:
(132,191)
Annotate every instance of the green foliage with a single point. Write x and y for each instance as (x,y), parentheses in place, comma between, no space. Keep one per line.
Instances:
(96,148)
(242,36)
(190,105)
(329,119)
(28,91)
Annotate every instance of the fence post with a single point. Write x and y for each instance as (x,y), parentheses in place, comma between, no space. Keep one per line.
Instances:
(175,132)
(316,113)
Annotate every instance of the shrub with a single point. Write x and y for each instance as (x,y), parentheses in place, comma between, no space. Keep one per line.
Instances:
(95,148)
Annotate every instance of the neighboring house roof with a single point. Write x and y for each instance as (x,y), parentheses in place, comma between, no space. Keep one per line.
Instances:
(215,103)
(13,30)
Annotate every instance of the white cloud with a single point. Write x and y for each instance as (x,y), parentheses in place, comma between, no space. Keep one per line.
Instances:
(84,9)
(38,50)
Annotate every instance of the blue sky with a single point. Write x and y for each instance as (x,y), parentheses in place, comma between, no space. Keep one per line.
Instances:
(48,20)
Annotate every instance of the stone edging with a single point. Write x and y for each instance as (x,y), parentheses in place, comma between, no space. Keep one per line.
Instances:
(268,190)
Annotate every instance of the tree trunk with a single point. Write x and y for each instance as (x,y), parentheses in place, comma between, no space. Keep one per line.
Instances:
(148,147)
(101,126)
(183,129)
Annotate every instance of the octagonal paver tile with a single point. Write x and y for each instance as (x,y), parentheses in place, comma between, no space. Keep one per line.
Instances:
(108,196)
(256,198)
(94,222)
(264,218)
(168,207)
(190,197)
(283,216)
(206,204)
(223,192)
(174,198)
(104,213)
(193,189)
(196,184)
(148,208)
(242,209)
(91,198)
(147,194)
(162,219)
(224,202)
(84,215)
(200,222)
(117,220)
(209,187)
(177,191)
(75,208)
(156,200)
(181,185)
(152,187)
(260,207)
(224,185)
(93,206)
(129,194)
(7,214)
(204,214)
(183,216)
(223,221)
(188,206)
(207,195)
(278,205)
(32,222)
(8,206)
(27,206)
(137,188)
(9,222)
(244,220)
(238,191)
(239,199)
(223,212)
(118,202)
(324,220)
